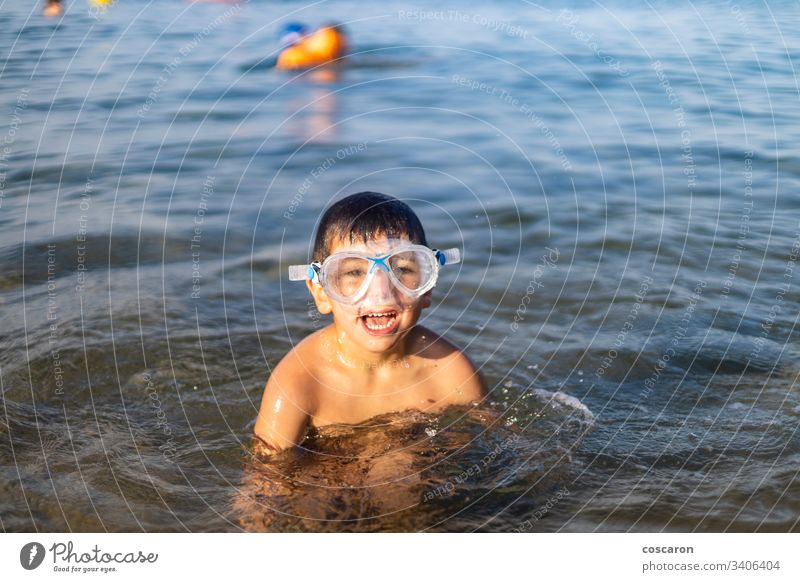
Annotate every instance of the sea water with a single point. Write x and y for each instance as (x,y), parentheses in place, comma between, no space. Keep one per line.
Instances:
(622,179)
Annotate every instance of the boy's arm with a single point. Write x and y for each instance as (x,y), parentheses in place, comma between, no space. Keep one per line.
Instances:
(285,408)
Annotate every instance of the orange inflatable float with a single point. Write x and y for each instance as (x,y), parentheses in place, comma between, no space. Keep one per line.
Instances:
(324,45)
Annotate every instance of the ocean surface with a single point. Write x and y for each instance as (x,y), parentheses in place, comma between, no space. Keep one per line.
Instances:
(623,179)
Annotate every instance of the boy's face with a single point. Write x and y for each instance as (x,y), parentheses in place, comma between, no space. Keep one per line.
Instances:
(383,316)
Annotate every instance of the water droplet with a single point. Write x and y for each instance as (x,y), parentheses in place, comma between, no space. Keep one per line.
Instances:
(580,372)
(195,387)
(430,432)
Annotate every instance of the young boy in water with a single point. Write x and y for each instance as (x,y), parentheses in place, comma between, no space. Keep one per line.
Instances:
(373,271)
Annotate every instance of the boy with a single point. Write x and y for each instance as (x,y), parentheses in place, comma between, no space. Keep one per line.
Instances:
(373,271)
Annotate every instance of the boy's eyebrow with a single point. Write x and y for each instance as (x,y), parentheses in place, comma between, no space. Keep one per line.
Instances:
(367,242)
(352,237)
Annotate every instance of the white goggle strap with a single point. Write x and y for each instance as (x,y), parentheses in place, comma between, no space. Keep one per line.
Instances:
(448,257)
(304,272)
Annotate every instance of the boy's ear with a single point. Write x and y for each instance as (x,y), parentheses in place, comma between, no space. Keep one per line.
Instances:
(425,300)
(321,298)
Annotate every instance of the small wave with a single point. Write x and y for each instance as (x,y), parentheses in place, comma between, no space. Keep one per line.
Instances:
(567,401)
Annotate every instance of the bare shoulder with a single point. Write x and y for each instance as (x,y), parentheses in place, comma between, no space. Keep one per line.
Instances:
(295,374)
(290,398)
(304,358)
(454,374)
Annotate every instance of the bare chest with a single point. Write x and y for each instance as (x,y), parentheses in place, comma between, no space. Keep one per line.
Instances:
(352,398)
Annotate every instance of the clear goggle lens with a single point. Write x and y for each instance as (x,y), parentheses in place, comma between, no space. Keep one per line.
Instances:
(412,272)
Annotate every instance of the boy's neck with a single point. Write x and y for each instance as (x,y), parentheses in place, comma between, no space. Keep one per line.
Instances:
(353,356)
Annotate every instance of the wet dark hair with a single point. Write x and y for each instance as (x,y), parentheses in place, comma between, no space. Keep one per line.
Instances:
(364,216)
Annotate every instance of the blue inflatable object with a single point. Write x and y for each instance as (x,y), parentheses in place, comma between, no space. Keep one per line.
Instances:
(292,32)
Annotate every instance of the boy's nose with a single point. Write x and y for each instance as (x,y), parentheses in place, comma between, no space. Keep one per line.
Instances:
(380,288)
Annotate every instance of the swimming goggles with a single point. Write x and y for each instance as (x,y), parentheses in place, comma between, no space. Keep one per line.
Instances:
(346,275)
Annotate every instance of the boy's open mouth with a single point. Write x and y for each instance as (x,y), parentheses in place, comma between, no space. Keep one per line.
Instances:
(381,322)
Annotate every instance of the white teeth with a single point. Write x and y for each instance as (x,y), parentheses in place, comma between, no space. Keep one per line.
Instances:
(372,320)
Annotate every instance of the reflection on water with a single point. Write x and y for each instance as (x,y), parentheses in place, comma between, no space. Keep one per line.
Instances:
(157,176)
(312,116)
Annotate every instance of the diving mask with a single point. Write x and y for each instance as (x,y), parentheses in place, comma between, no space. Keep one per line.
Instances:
(346,275)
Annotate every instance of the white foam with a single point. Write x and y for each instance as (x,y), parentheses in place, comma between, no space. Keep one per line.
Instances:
(565,400)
